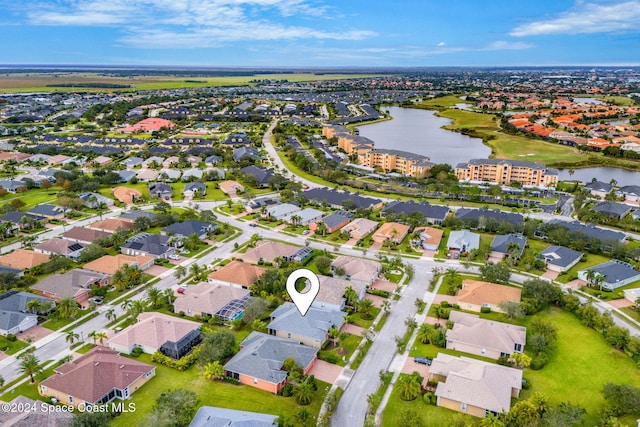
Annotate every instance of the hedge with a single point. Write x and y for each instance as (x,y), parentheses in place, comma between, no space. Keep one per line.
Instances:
(182,364)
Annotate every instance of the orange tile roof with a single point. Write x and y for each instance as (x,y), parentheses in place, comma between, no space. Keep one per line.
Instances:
(239,273)
(22,259)
(109,264)
(478,293)
(126,194)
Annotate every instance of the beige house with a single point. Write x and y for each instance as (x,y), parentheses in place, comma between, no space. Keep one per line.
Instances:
(360,228)
(357,270)
(474,387)
(109,264)
(392,231)
(488,338)
(172,336)
(476,294)
(97,377)
(238,274)
(231,188)
(23,259)
(111,225)
(211,300)
(332,290)
(268,251)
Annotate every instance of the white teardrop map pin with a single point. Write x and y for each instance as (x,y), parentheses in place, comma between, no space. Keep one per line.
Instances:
(303,300)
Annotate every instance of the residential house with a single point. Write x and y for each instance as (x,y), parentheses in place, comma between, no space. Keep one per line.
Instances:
(261,174)
(84,235)
(333,221)
(476,218)
(559,258)
(268,251)
(474,387)
(147,175)
(23,259)
(126,175)
(112,225)
(210,416)
(195,189)
(391,231)
(359,228)
(132,162)
(134,214)
(153,162)
(476,295)
(482,337)
(206,299)
(160,190)
(49,211)
(75,284)
(632,295)
(357,270)
(246,152)
(237,274)
(610,275)
(187,228)
(599,189)
(155,245)
(586,230)
(170,175)
(504,246)
(231,188)
(212,160)
(41,414)
(312,329)
(172,336)
(97,377)
(306,217)
(463,241)
(237,138)
(427,238)
(261,357)
(258,203)
(15,316)
(109,264)
(339,199)
(148,125)
(332,290)
(127,195)
(282,211)
(631,193)
(433,214)
(613,210)
(64,247)
(21,220)
(95,200)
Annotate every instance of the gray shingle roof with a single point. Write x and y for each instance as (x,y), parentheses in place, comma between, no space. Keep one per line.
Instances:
(590,230)
(408,207)
(560,256)
(615,271)
(210,416)
(335,219)
(498,215)
(501,243)
(315,324)
(612,208)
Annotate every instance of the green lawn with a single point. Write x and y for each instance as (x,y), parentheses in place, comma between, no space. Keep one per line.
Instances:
(357,318)
(54,325)
(225,395)
(350,344)
(11,347)
(27,389)
(33,197)
(581,364)
(588,260)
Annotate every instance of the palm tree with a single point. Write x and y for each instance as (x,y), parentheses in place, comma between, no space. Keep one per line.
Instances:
(214,371)
(491,420)
(351,295)
(93,334)
(180,272)
(154,296)
(295,219)
(333,334)
(30,365)
(34,306)
(303,393)
(452,275)
(195,270)
(408,387)
(168,294)
(100,336)
(71,337)
(321,228)
(425,333)
(386,306)
(365,308)
(126,305)
(110,315)
(137,307)
(67,308)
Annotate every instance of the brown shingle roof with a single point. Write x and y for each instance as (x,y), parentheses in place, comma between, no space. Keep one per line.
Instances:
(239,273)
(95,374)
(269,250)
(21,259)
(85,234)
(57,246)
(112,224)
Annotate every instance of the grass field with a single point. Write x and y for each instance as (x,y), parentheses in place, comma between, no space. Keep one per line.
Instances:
(213,394)
(11,83)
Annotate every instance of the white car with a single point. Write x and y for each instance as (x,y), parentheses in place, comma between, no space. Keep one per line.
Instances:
(174,257)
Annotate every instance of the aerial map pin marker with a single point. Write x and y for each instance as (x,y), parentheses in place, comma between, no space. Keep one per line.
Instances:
(303,300)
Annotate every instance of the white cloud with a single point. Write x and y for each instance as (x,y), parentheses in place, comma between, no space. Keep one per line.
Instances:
(441,44)
(193,24)
(505,45)
(586,18)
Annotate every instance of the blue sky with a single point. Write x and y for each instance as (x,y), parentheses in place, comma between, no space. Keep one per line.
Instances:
(328,33)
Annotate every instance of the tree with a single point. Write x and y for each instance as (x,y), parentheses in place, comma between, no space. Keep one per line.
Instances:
(154,296)
(451,276)
(30,365)
(617,336)
(92,419)
(351,295)
(365,308)
(71,337)
(323,263)
(254,310)
(495,273)
(110,315)
(34,306)
(622,399)
(520,360)
(216,346)
(214,371)
(539,294)
(99,336)
(91,252)
(564,414)
(408,387)
(321,228)
(491,420)
(426,333)
(67,308)
(174,408)
(303,393)
(512,309)
(180,272)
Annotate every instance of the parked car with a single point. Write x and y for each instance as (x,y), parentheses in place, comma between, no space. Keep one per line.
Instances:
(422,360)
(96,300)
(253,224)
(305,232)
(174,257)
(181,289)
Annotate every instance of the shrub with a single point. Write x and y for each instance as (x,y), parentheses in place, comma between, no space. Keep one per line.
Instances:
(429,398)
(539,361)
(11,337)
(456,306)
(526,385)
(444,304)
(287,390)
(182,364)
(485,310)
(136,352)
(329,357)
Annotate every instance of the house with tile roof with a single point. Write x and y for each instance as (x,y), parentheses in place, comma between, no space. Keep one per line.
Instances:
(359,228)
(206,299)
(84,235)
(59,246)
(97,377)
(268,251)
(332,290)
(261,357)
(482,337)
(231,188)
(391,231)
(127,195)
(236,273)
(474,387)
(428,238)
(111,225)
(23,259)
(172,336)
(357,270)
(476,294)
(109,264)
(312,329)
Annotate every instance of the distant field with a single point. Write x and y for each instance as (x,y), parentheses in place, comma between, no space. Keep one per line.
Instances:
(37,82)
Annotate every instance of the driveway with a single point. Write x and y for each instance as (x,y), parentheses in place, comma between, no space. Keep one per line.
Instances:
(155,270)
(384,285)
(620,303)
(550,275)
(352,329)
(410,367)
(325,371)
(34,333)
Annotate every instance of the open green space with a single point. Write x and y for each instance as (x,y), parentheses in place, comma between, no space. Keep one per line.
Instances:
(241,397)
(348,347)
(588,260)
(11,347)
(440,102)
(28,389)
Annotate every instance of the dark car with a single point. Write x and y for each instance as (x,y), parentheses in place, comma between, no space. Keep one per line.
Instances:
(422,360)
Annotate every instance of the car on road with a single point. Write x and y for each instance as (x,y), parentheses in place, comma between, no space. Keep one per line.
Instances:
(174,257)
(253,224)
(422,360)
(305,232)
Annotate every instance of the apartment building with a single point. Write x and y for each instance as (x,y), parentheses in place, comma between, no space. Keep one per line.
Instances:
(403,162)
(505,172)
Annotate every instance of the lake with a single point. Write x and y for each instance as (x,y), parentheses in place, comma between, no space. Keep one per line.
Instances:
(420,132)
(622,176)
